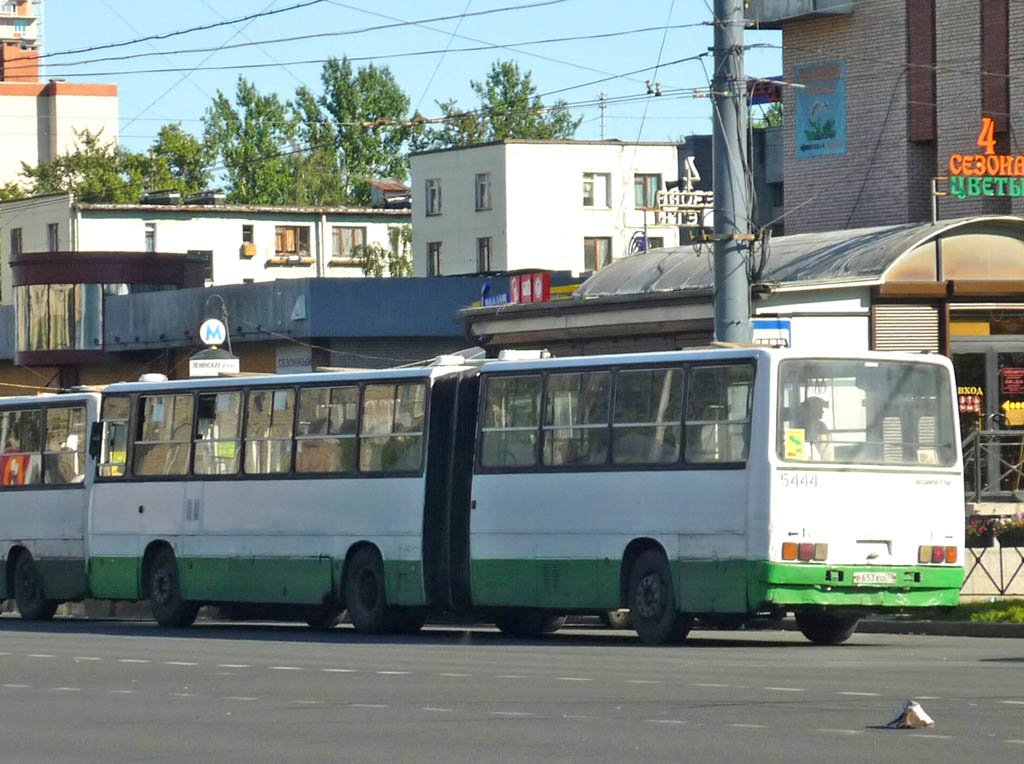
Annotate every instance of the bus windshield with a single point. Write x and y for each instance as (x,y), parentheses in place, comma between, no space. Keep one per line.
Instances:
(865,412)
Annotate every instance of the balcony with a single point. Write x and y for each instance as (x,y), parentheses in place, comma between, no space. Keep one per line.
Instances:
(772,14)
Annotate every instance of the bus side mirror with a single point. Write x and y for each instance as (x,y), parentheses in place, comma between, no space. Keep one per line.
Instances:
(96,439)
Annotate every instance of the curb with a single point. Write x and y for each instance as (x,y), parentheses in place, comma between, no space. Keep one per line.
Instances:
(931,628)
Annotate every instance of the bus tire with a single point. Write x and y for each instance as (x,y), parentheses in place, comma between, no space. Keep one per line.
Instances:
(527,623)
(29,593)
(365,592)
(163,586)
(652,606)
(325,618)
(825,628)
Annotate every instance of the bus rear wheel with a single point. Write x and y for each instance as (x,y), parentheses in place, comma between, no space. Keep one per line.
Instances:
(652,606)
(528,623)
(164,589)
(365,593)
(29,593)
(825,628)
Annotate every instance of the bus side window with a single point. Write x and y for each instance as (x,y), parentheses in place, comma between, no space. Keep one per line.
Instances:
(327,436)
(114,449)
(268,432)
(391,439)
(218,433)
(64,456)
(164,442)
(576,418)
(647,425)
(510,424)
(20,458)
(718,404)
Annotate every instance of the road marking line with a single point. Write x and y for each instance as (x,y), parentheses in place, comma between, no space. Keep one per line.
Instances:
(122,692)
(708,684)
(132,660)
(574,679)
(40,655)
(1013,702)
(643,681)
(394,673)
(928,697)
(861,694)
(180,663)
(239,697)
(307,702)
(510,676)
(665,721)
(86,658)
(286,668)
(67,689)
(233,665)
(183,694)
(369,705)
(751,726)
(4,653)
(456,675)
(510,713)
(579,716)
(839,731)
(930,736)
(338,671)
(785,689)
(438,710)
(1019,742)
(17,686)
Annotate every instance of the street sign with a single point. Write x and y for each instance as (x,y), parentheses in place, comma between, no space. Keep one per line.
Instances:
(213,332)
(212,367)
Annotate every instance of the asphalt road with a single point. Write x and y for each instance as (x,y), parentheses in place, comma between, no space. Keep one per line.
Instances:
(127,691)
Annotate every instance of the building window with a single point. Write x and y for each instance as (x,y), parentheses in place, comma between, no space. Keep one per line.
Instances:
(204,256)
(434,258)
(345,239)
(646,189)
(655,242)
(434,196)
(247,236)
(596,190)
(150,237)
(291,241)
(597,252)
(483,254)
(15,241)
(53,236)
(483,191)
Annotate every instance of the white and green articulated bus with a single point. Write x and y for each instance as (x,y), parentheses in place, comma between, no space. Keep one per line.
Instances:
(723,485)
(45,477)
(302,494)
(720,484)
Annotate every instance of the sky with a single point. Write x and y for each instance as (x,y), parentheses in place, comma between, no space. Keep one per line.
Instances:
(575,70)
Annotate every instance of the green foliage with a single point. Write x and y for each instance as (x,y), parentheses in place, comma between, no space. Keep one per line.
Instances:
(11,191)
(315,167)
(510,107)
(364,106)
(186,159)
(770,116)
(379,261)
(998,611)
(97,172)
(253,141)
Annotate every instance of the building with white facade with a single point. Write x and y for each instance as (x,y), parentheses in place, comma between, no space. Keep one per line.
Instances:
(240,244)
(39,120)
(522,204)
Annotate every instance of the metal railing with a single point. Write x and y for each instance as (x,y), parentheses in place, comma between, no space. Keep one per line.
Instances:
(994,465)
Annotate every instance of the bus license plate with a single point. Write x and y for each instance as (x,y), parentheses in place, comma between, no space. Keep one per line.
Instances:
(874,577)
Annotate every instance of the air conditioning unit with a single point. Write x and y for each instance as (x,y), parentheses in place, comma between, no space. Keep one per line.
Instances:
(247,250)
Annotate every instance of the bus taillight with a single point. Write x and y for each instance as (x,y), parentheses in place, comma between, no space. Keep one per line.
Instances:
(937,554)
(804,551)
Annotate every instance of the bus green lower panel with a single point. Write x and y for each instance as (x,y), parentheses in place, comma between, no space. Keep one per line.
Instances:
(114,578)
(404,582)
(570,584)
(775,584)
(711,586)
(63,579)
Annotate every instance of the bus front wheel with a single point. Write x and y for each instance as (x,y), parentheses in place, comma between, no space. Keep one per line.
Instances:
(365,594)
(825,628)
(652,606)
(28,591)
(164,588)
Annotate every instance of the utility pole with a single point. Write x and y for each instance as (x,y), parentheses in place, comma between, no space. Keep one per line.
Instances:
(602,105)
(732,228)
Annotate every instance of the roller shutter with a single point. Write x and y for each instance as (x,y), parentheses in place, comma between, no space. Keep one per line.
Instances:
(909,328)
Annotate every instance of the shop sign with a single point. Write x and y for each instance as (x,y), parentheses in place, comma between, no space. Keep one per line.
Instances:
(530,287)
(821,109)
(1011,381)
(988,173)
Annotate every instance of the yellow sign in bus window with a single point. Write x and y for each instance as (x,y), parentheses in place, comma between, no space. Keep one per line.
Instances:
(796,446)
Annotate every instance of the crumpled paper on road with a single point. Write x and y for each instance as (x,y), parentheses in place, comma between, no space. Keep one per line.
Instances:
(912,716)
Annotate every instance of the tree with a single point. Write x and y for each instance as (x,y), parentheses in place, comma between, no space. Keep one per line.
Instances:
(369,111)
(254,143)
(97,172)
(11,191)
(187,159)
(316,172)
(510,107)
(770,117)
(378,261)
